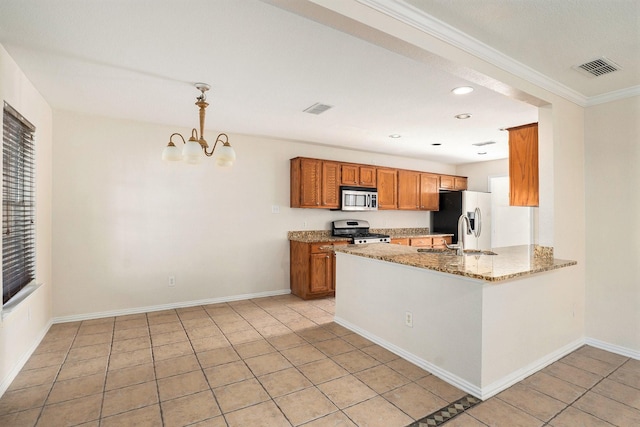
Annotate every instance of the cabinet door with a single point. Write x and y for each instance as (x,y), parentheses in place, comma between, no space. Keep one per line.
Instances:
(460,183)
(321,274)
(387,188)
(367,176)
(429,197)
(408,190)
(310,180)
(447,182)
(330,185)
(350,175)
(523,165)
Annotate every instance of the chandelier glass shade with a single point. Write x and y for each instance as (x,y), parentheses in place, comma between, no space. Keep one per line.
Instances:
(194,149)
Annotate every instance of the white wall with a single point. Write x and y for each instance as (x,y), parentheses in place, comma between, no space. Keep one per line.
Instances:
(124,220)
(480,172)
(612,140)
(22,328)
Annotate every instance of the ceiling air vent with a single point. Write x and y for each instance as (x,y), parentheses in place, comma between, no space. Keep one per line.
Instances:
(317,108)
(597,67)
(480,144)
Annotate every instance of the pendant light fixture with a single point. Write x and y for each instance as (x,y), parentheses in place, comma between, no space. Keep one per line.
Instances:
(192,150)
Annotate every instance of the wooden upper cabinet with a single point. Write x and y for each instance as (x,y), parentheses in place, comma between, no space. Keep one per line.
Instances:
(429,196)
(358,175)
(450,182)
(330,185)
(408,190)
(314,183)
(523,165)
(387,180)
(418,191)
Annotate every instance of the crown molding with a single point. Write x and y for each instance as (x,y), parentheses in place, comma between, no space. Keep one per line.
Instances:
(613,96)
(426,23)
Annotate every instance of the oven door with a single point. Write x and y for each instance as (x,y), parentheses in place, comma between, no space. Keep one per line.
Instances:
(359,200)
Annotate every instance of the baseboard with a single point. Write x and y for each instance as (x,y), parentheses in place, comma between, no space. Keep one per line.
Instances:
(6,382)
(623,351)
(183,304)
(530,369)
(444,375)
(479,392)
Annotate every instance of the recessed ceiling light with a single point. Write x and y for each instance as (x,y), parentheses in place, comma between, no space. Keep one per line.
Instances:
(436,143)
(394,136)
(462,90)
(482,153)
(463,116)
(480,144)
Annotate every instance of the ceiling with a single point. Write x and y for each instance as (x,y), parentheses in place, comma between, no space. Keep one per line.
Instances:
(266,63)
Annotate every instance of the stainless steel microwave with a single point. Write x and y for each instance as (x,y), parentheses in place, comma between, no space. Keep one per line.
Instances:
(358,199)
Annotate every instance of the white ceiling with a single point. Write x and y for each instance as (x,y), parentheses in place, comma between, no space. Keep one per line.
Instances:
(139,59)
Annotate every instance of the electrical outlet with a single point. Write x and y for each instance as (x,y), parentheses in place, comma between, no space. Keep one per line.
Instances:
(408,319)
(304,224)
(172,281)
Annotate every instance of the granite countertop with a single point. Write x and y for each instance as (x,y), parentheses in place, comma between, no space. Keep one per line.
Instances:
(510,262)
(315,236)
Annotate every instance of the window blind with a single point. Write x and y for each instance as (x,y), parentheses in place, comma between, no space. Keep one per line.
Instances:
(18,203)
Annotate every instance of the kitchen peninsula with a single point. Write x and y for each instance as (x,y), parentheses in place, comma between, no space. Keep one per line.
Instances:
(480,322)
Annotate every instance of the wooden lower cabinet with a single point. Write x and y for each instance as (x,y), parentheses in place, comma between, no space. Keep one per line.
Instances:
(441,242)
(436,242)
(404,241)
(313,269)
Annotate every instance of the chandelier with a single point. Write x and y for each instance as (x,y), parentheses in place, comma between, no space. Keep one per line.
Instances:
(193,149)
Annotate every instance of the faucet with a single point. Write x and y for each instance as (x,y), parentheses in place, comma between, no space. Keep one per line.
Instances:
(459,247)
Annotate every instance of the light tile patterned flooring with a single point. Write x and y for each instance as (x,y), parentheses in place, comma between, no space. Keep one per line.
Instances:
(281,361)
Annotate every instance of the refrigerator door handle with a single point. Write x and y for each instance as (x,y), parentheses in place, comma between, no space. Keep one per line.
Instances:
(478,228)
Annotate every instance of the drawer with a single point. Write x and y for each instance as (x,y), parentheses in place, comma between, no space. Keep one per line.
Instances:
(404,241)
(421,242)
(317,247)
(439,242)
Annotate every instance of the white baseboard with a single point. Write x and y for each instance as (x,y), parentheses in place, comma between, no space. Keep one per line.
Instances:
(147,309)
(530,369)
(444,375)
(623,351)
(6,381)
(479,392)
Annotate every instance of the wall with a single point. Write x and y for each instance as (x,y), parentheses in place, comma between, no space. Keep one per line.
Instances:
(612,135)
(480,172)
(124,221)
(22,329)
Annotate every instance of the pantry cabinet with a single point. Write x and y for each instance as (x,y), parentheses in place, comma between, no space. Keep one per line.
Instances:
(315,183)
(523,165)
(312,272)
(358,175)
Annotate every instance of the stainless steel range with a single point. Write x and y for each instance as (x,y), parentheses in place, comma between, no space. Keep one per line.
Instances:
(358,231)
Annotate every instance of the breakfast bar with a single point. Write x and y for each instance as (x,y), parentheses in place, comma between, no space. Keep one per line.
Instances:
(480,321)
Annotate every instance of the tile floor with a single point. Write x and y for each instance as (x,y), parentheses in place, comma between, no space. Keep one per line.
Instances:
(281,361)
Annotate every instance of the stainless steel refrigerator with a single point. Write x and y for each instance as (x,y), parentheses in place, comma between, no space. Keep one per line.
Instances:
(477,207)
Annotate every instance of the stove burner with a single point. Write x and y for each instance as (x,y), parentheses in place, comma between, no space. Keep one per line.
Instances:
(358,232)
